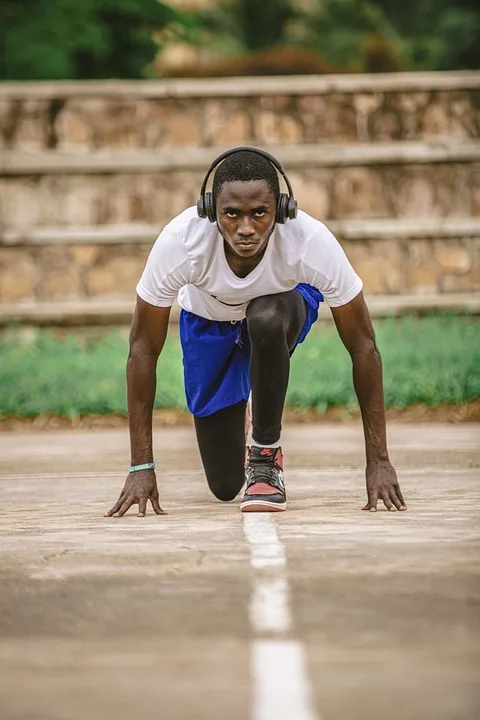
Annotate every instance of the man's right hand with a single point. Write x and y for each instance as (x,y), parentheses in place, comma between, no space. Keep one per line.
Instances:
(139,487)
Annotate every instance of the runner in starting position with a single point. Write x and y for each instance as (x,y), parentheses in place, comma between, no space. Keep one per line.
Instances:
(249,271)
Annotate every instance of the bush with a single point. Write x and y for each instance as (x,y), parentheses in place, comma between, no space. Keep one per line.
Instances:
(430,360)
(70,39)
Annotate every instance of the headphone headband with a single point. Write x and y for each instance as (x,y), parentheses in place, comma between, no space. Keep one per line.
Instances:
(242,148)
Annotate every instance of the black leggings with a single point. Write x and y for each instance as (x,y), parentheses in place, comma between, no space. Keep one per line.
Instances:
(274,324)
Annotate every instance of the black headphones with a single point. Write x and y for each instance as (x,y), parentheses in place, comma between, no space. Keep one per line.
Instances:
(287,206)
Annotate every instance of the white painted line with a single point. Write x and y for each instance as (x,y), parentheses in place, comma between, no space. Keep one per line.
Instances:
(281,688)
(279,667)
(266,548)
(269,611)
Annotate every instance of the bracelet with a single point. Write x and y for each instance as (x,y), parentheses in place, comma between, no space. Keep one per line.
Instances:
(145,466)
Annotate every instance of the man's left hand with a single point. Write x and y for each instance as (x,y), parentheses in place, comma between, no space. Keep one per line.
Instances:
(382,484)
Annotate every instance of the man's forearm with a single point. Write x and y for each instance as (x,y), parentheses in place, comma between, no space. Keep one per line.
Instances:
(141,386)
(367,379)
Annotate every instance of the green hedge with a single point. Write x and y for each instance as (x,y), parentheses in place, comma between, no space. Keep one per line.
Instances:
(430,360)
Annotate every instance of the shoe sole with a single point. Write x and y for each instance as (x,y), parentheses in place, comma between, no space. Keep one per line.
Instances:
(262,506)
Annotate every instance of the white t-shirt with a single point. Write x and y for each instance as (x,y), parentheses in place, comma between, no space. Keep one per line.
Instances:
(188,260)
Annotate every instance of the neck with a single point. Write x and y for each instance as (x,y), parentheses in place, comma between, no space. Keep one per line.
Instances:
(242,266)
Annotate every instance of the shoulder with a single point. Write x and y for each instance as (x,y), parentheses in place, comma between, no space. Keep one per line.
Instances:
(189,228)
(304,235)
(304,228)
(185,244)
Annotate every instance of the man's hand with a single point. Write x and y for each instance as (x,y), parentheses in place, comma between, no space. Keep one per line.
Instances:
(382,484)
(139,487)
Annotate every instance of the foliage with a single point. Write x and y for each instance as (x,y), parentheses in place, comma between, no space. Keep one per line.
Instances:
(436,34)
(68,39)
(420,34)
(59,39)
(429,360)
(253,24)
(358,35)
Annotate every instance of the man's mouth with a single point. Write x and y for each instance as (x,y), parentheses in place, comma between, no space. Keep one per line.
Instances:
(247,243)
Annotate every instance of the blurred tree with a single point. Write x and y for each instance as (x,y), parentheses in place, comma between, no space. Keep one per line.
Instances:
(61,39)
(436,34)
(250,24)
(360,35)
(408,34)
(380,54)
(339,29)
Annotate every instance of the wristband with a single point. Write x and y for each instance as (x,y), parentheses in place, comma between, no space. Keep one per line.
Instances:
(145,466)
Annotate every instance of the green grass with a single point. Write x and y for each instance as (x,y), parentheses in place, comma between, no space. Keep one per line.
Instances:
(430,360)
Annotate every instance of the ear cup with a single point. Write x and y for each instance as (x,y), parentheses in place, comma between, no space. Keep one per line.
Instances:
(292,208)
(201,207)
(282,208)
(210,207)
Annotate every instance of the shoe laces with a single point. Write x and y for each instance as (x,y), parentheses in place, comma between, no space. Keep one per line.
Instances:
(262,469)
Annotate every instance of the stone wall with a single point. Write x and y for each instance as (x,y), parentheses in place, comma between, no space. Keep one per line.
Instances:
(403,190)
(87,116)
(90,172)
(438,262)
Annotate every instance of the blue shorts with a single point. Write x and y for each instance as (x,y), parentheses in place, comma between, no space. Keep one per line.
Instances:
(216,357)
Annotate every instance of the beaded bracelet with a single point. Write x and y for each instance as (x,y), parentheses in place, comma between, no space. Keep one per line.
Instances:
(145,466)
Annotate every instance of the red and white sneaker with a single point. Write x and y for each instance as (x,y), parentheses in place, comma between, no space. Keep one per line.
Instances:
(265,491)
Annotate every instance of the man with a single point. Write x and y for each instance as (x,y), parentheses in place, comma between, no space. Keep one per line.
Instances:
(249,274)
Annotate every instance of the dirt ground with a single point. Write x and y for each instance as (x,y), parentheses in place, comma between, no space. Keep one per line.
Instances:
(322,613)
(418,413)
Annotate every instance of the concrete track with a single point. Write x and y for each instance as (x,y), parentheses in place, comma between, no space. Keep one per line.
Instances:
(321,613)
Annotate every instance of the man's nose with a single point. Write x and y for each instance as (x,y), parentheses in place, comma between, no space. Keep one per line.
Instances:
(245,227)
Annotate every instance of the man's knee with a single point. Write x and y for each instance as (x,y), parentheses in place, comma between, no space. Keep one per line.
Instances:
(226,490)
(266,317)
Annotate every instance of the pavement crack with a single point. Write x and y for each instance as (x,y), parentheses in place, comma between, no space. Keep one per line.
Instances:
(202,555)
(55,555)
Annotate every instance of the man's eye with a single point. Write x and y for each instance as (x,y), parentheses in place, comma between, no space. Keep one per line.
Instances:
(231,214)
(260,213)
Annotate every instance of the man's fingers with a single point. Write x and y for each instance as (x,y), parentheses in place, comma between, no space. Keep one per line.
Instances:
(387,502)
(400,497)
(395,499)
(126,506)
(116,507)
(142,506)
(156,505)
(372,501)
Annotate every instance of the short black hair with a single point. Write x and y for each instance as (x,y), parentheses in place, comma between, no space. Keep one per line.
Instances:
(244,166)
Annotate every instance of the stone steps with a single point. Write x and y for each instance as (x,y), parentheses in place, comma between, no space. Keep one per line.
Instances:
(384,180)
(352,229)
(119,311)
(106,162)
(243,86)
(102,264)
(234,111)
(90,171)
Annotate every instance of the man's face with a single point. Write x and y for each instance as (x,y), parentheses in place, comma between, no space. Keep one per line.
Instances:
(246,216)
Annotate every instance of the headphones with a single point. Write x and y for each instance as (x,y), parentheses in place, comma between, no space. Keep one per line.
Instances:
(287,206)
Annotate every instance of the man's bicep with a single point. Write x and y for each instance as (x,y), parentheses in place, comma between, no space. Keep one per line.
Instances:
(354,324)
(149,327)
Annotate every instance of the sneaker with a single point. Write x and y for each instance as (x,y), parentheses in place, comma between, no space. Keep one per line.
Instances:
(265,491)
